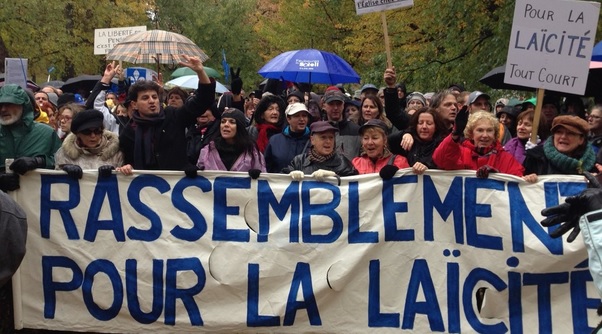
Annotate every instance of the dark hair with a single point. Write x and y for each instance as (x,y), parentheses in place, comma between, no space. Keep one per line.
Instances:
(543,129)
(263,105)
(375,100)
(242,138)
(142,86)
(438,98)
(178,91)
(440,128)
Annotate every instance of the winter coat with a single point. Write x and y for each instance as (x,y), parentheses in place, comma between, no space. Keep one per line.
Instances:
(348,139)
(365,165)
(516,147)
(338,164)
(107,153)
(13,235)
(450,155)
(283,147)
(536,162)
(197,138)
(169,137)
(394,111)
(27,138)
(421,151)
(96,100)
(591,229)
(210,159)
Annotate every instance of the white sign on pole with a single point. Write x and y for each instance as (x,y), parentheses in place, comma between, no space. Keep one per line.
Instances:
(551,44)
(372,6)
(16,71)
(105,39)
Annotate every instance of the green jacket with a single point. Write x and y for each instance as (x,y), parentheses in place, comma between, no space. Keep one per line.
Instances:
(25,138)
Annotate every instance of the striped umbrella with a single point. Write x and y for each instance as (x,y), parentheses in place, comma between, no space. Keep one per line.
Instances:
(155,47)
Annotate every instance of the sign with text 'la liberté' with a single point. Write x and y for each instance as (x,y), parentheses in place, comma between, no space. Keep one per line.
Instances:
(551,44)
(160,252)
(372,6)
(106,39)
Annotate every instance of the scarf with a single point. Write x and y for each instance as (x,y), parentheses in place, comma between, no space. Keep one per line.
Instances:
(568,164)
(228,153)
(315,157)
(143,139)
(262,137)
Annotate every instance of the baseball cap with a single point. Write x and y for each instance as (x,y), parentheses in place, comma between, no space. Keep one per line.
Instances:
(295,108)
(322,126)
(475,95)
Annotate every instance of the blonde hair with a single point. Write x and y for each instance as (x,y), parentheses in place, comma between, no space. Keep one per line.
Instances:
(478,116)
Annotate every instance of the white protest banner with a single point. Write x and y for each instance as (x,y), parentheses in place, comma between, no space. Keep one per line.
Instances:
(105,39)
(15,71)
(551,44)
(222,252)
(372,6)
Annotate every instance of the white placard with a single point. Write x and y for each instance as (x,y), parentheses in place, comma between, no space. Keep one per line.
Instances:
(105,39)
(551,44)
(371,6)
(16,71)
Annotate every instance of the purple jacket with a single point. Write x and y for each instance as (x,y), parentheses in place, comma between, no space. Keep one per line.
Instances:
(517,148)
(209,159)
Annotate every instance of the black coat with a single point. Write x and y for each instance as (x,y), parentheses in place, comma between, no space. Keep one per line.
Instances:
(338,164)
(169,138)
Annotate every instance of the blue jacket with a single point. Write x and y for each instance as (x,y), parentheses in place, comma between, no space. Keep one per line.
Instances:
(283,147)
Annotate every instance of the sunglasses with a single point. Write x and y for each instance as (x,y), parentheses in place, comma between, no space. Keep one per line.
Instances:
(87,132)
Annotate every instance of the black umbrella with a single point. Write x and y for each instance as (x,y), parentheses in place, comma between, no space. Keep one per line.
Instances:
(54,83)
(495,80)
(82,84)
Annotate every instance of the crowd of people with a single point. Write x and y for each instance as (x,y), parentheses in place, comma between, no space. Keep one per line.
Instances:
(287,128)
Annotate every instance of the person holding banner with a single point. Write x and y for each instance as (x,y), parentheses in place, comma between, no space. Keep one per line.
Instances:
(480,151)
(155,138)
(567,151)
(32,145)
(375,153)
(89,146)
(233,150)
(322,160)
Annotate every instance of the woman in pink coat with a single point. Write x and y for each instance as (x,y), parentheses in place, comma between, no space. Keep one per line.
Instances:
(233,150)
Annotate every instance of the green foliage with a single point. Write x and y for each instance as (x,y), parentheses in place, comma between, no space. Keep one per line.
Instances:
(61,34)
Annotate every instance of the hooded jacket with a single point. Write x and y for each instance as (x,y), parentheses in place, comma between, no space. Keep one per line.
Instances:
(283,147)
(25,138)
(107,153)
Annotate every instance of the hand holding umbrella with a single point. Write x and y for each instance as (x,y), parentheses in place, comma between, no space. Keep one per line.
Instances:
(195,64)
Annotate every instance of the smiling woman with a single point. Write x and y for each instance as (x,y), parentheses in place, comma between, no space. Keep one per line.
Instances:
(567,151)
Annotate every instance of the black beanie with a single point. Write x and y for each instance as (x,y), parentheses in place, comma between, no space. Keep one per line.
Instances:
(238,115)
(87,119)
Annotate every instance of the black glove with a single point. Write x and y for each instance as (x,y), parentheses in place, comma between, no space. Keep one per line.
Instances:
(568,214)
(388,171)
(191,171)
(74,171)
(236,83)
(105,170)
(24,164)
(254,173)
(9,182)
(483,171)
(461,121)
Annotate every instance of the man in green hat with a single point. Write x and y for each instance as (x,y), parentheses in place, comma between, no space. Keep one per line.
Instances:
(25,143)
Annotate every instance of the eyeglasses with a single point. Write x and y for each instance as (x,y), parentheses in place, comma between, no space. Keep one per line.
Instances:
(87,132)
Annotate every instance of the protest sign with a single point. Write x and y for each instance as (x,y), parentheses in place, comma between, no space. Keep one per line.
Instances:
(16,71)
(551,44)
(372,6)
(105,39)
(222,252)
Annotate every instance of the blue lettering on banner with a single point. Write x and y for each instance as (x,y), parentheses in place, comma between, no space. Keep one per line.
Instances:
(131,283)
(221,209)
(302,280)
(390,208)
(186,295)
(468,291)
(452,204)
(421,277)
(543,283)
(104,187)
(289,202)
(199,224)
(143,181)
(47,205)
(355,235)
(474,238)
(323,209)
(108,268)
(254,319)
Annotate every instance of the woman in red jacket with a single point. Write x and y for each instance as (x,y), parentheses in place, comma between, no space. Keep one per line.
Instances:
(480,150)
(375,153)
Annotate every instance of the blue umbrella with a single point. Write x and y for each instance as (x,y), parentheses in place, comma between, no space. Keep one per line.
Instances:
(310,66)
(597,52)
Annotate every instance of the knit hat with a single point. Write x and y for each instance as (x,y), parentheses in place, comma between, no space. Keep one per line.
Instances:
(299,94)
(237,115)
(572,123)
(417,96)
(87,119)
